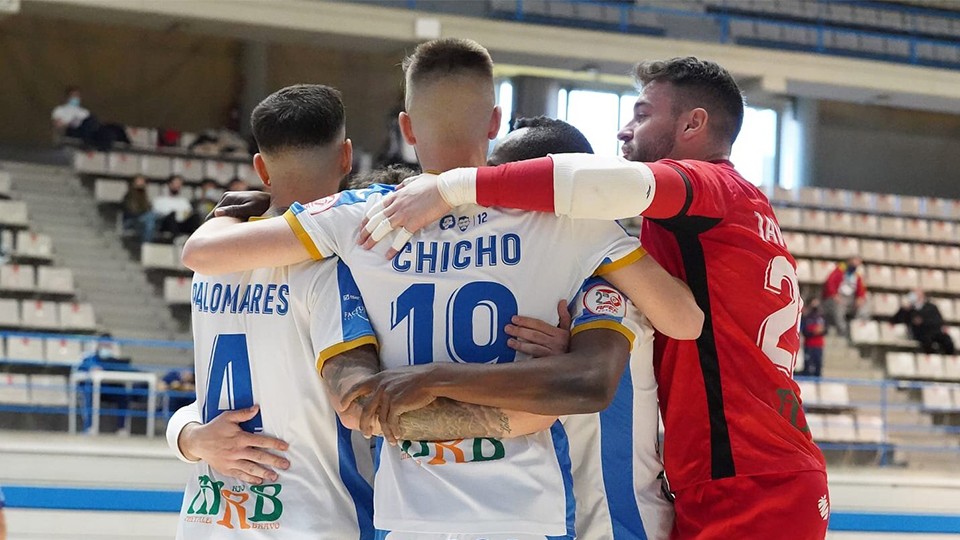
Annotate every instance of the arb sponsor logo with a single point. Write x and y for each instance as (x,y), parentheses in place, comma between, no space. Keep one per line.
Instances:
(258,508)
(604,300)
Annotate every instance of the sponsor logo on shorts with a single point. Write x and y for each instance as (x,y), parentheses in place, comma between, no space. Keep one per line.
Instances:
(232,506)
(604,300)
(455,451)
(824,506)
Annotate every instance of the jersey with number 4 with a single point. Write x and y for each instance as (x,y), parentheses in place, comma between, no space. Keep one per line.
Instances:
(730,405)
(259,338)
(446,297)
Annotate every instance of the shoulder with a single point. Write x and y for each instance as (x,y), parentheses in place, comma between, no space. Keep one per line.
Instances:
(352,200)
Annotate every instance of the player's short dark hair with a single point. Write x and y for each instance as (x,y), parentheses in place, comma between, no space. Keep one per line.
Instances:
(390,175)
(298,116)
(699,83)
(447,56)
(544,136)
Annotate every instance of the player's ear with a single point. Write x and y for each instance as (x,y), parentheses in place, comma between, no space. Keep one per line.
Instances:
(346,157)
(696,123)
(261,168)
(406,128)
(495,118)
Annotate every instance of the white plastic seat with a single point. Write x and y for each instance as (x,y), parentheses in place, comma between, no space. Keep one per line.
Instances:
(48,390)
(877,275)
(77,316)
(836,198)
(814,220)
(866,224)
(190,169)
(841,222)
(810,196)
(870,428)
(840,427)
(956,312)
(249,175)
(892,227)
(90,162)
(894,333)
(888,204)
(943,230)
(906,278)
(32,244)
(821,269)
(109,191)
(25,348)
(946,307)
(142,137)
(937,397)
(781,195)
(911,206)
(816,424)
(14,389)
(9,313)
(56,280)
(123,164)
(804,271)
(788,218)
(864,331)
(17,277)
(153,166)
(949,256)
(834,394)
(945,208)
(865,201)
(158,256)
(932,280)
(14,213)
(40,314)
(820,245)
(930,366)
(796,243)
(951,368)
(901,365)
(885,304)
(954,333)
(845,247)
(809,393)
(925,255)
(63,351)
(221,171)
(918,229)
(873,251)
(953,282)
(899,252)
(177,290)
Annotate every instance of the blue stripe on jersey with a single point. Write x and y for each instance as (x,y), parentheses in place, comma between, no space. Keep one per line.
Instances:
(355,322)
(355,196)
(360,491)
(562,447)
(616,455)
(381,534)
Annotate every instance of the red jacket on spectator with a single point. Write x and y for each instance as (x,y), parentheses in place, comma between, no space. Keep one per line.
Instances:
(832,287)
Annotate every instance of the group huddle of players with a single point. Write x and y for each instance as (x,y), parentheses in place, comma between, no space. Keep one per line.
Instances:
(489,326)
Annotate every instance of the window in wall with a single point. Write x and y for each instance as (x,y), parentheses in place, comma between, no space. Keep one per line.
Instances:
(505,101)
(755,152)
(599,115)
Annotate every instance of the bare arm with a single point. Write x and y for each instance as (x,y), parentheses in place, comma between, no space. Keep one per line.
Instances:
(224,244)
(664,299)
(428,418)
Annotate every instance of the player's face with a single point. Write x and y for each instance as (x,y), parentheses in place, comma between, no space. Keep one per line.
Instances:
(649,135)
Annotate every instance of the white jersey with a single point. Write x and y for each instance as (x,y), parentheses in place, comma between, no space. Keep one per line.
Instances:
(258,338)
(446,297)
(617,470)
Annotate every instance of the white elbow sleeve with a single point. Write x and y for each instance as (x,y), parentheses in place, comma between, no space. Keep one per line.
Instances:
(179,420)
(601,187)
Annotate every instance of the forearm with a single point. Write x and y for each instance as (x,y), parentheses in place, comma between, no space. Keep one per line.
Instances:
(225,244)
(446,419)
(665,300)
(576,185)
(341,372)
(178,431)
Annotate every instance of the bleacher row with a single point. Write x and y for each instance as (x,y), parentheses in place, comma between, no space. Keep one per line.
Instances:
(866,225)
(36,280)
(832,418)
(872,332)
(45,350)
(867,202)
(46,315)
(35,390)
(897,278)
(159,166)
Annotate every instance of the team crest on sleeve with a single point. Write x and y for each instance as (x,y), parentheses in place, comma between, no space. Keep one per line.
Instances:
(604,300)
(322,205)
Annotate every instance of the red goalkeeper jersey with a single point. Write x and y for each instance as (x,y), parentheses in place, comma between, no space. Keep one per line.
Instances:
(729,403)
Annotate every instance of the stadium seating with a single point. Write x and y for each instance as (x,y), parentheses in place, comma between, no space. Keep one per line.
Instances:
(63,351)
(77,317)
(55,280)
(177,290)
(24,348)
(40,314)
(901,365)
(16,277)
(9,313)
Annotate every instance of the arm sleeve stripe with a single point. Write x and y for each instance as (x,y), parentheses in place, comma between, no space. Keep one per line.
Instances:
(343,347)
(689,200)
(605,325)
(622,262)
(302,235)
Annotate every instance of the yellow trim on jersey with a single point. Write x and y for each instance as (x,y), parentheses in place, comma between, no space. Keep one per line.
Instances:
(343,347)
(622,262)
(302,235)
(608,325)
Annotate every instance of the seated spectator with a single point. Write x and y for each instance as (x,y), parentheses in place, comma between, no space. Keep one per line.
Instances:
(206,198)
(137,212)
(844,295)
(182,381)
(175,214)
(237,185)
(813,327)
(925,322)
(222,141)
(102,358)
(73,120)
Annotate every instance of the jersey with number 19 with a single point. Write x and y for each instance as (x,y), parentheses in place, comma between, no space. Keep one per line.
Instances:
(446,297)
(259,338)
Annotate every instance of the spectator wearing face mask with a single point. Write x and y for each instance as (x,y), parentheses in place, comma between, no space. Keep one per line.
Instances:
(175,214)
(207,198)
(73,120)
(137,212)
(925,322)
(844,294)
